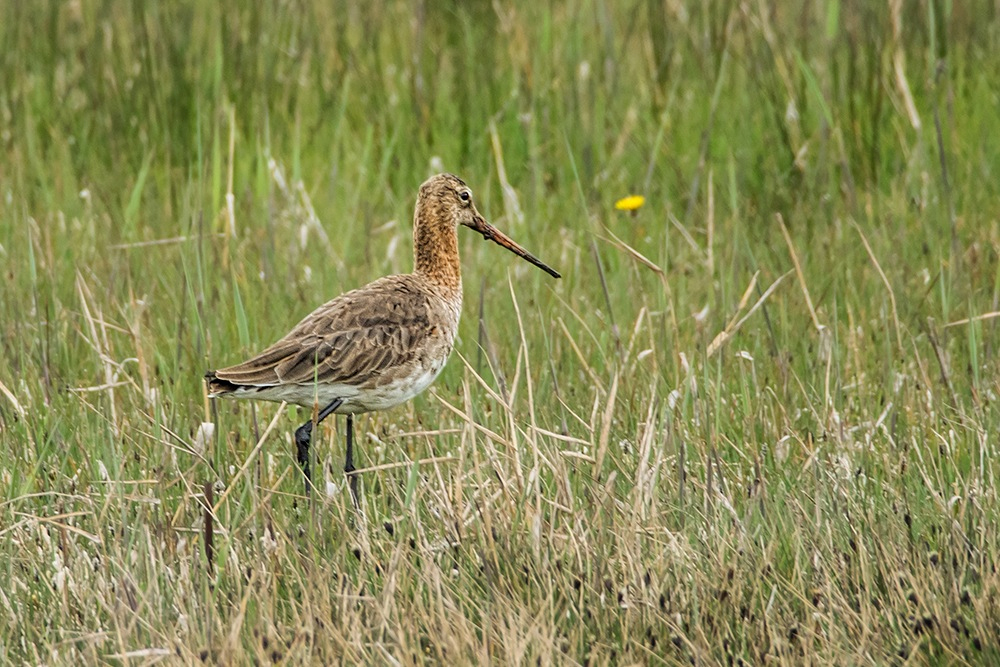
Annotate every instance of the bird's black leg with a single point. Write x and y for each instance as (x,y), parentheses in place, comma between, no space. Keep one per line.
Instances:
(303,436)
(349,462)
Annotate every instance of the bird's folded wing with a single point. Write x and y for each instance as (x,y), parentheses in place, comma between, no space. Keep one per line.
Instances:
(351,340)
(348,357)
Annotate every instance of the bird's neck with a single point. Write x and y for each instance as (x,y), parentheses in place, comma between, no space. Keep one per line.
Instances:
(435,252)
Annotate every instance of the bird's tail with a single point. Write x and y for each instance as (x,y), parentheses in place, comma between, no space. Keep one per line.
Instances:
(217,386)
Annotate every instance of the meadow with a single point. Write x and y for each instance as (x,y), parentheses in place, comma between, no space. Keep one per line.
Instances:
(753,423)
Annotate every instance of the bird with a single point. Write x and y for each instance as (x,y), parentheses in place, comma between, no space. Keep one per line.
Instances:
(380,345)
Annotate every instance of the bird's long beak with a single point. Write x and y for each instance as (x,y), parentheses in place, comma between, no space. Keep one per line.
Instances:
(491,233)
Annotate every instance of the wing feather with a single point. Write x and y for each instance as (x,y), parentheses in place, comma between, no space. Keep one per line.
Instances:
(353,339)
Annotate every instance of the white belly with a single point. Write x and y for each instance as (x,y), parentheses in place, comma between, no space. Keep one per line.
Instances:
(356,400)
(391,395)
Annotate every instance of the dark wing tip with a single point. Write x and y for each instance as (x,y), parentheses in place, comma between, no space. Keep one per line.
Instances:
(217,386)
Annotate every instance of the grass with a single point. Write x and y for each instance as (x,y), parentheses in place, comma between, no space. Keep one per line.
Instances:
(754,422)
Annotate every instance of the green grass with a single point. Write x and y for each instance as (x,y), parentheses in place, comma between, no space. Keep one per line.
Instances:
(609,470)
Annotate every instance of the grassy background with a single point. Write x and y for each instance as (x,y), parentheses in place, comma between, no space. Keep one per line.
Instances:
(616,467)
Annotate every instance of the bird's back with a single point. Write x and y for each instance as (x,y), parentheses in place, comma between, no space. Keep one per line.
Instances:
(372,344)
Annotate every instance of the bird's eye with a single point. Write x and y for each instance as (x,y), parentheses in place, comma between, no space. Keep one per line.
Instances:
(465,196)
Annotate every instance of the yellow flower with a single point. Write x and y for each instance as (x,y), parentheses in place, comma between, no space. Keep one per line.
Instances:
(630,203)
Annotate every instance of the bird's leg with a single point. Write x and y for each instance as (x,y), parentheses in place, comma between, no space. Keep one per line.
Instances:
(349,462)
(303,436)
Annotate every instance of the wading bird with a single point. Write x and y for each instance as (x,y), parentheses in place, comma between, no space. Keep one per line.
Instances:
(380,345)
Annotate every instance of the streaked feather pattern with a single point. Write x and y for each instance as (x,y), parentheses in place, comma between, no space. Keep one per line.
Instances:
(390,331)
